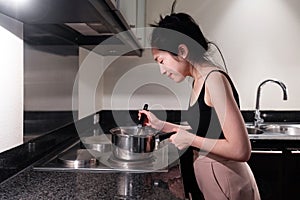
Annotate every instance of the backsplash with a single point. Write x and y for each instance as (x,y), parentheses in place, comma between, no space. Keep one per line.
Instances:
(273,116)
(40,122)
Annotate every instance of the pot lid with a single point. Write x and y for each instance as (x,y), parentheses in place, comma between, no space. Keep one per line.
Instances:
(80,158)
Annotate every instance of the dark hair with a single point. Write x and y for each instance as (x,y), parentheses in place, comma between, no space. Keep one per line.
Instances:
(179,28)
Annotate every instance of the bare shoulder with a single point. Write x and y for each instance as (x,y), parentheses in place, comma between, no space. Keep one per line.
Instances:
(217,79)
(218,89)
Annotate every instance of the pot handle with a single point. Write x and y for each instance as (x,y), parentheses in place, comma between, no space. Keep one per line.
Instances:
(162,136)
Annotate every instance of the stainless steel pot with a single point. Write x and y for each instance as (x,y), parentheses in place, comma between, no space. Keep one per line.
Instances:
(135,143)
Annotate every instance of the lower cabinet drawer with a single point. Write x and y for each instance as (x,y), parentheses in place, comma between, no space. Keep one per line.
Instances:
(277,173)
(268,169)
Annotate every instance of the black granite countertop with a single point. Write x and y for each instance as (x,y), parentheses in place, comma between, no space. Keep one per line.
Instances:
(18,180)
(30,184)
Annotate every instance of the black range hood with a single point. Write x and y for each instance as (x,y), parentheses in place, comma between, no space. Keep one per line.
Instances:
(85,23)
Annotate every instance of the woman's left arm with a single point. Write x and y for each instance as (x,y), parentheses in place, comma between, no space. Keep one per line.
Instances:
(236,145)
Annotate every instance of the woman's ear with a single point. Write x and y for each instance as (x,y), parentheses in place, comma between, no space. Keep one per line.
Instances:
(183,51)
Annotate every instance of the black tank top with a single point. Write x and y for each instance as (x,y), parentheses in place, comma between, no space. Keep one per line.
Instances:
(203,118)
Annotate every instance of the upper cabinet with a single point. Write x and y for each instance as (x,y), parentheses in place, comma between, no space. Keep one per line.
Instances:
(86,23)
(134,13)
(128,9)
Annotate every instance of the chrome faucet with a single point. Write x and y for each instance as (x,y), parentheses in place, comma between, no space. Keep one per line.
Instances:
(257,118)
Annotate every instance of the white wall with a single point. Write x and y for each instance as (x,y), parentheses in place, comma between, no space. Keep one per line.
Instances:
(125,83)
(130,82)
(259,39)
(90,86)
(11,83)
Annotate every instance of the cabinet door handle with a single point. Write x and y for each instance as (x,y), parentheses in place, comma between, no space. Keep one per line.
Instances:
(266,152)
(295,152)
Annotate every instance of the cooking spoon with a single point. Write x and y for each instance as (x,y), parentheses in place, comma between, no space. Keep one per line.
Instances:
(141,121)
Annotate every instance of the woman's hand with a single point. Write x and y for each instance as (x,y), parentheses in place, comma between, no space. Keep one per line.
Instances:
(151,120)
(182,138)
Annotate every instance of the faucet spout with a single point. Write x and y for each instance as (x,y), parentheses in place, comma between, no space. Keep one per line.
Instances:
(257,117)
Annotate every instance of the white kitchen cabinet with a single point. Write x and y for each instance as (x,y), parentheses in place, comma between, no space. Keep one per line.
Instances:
(133,12)
(11,83)
(128,9)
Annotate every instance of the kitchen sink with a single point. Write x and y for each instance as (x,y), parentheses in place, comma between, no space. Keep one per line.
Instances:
(284,129)
(254,130)
(271,129)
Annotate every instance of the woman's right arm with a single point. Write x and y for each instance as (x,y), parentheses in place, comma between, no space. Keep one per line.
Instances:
(154,122)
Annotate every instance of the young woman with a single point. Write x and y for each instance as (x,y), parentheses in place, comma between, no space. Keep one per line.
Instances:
(218,131)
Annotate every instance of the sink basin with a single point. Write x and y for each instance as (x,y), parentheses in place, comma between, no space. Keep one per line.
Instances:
(273,129)
(254,130)
(284,129)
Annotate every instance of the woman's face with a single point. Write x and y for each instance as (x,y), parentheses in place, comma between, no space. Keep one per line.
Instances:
(175,67)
